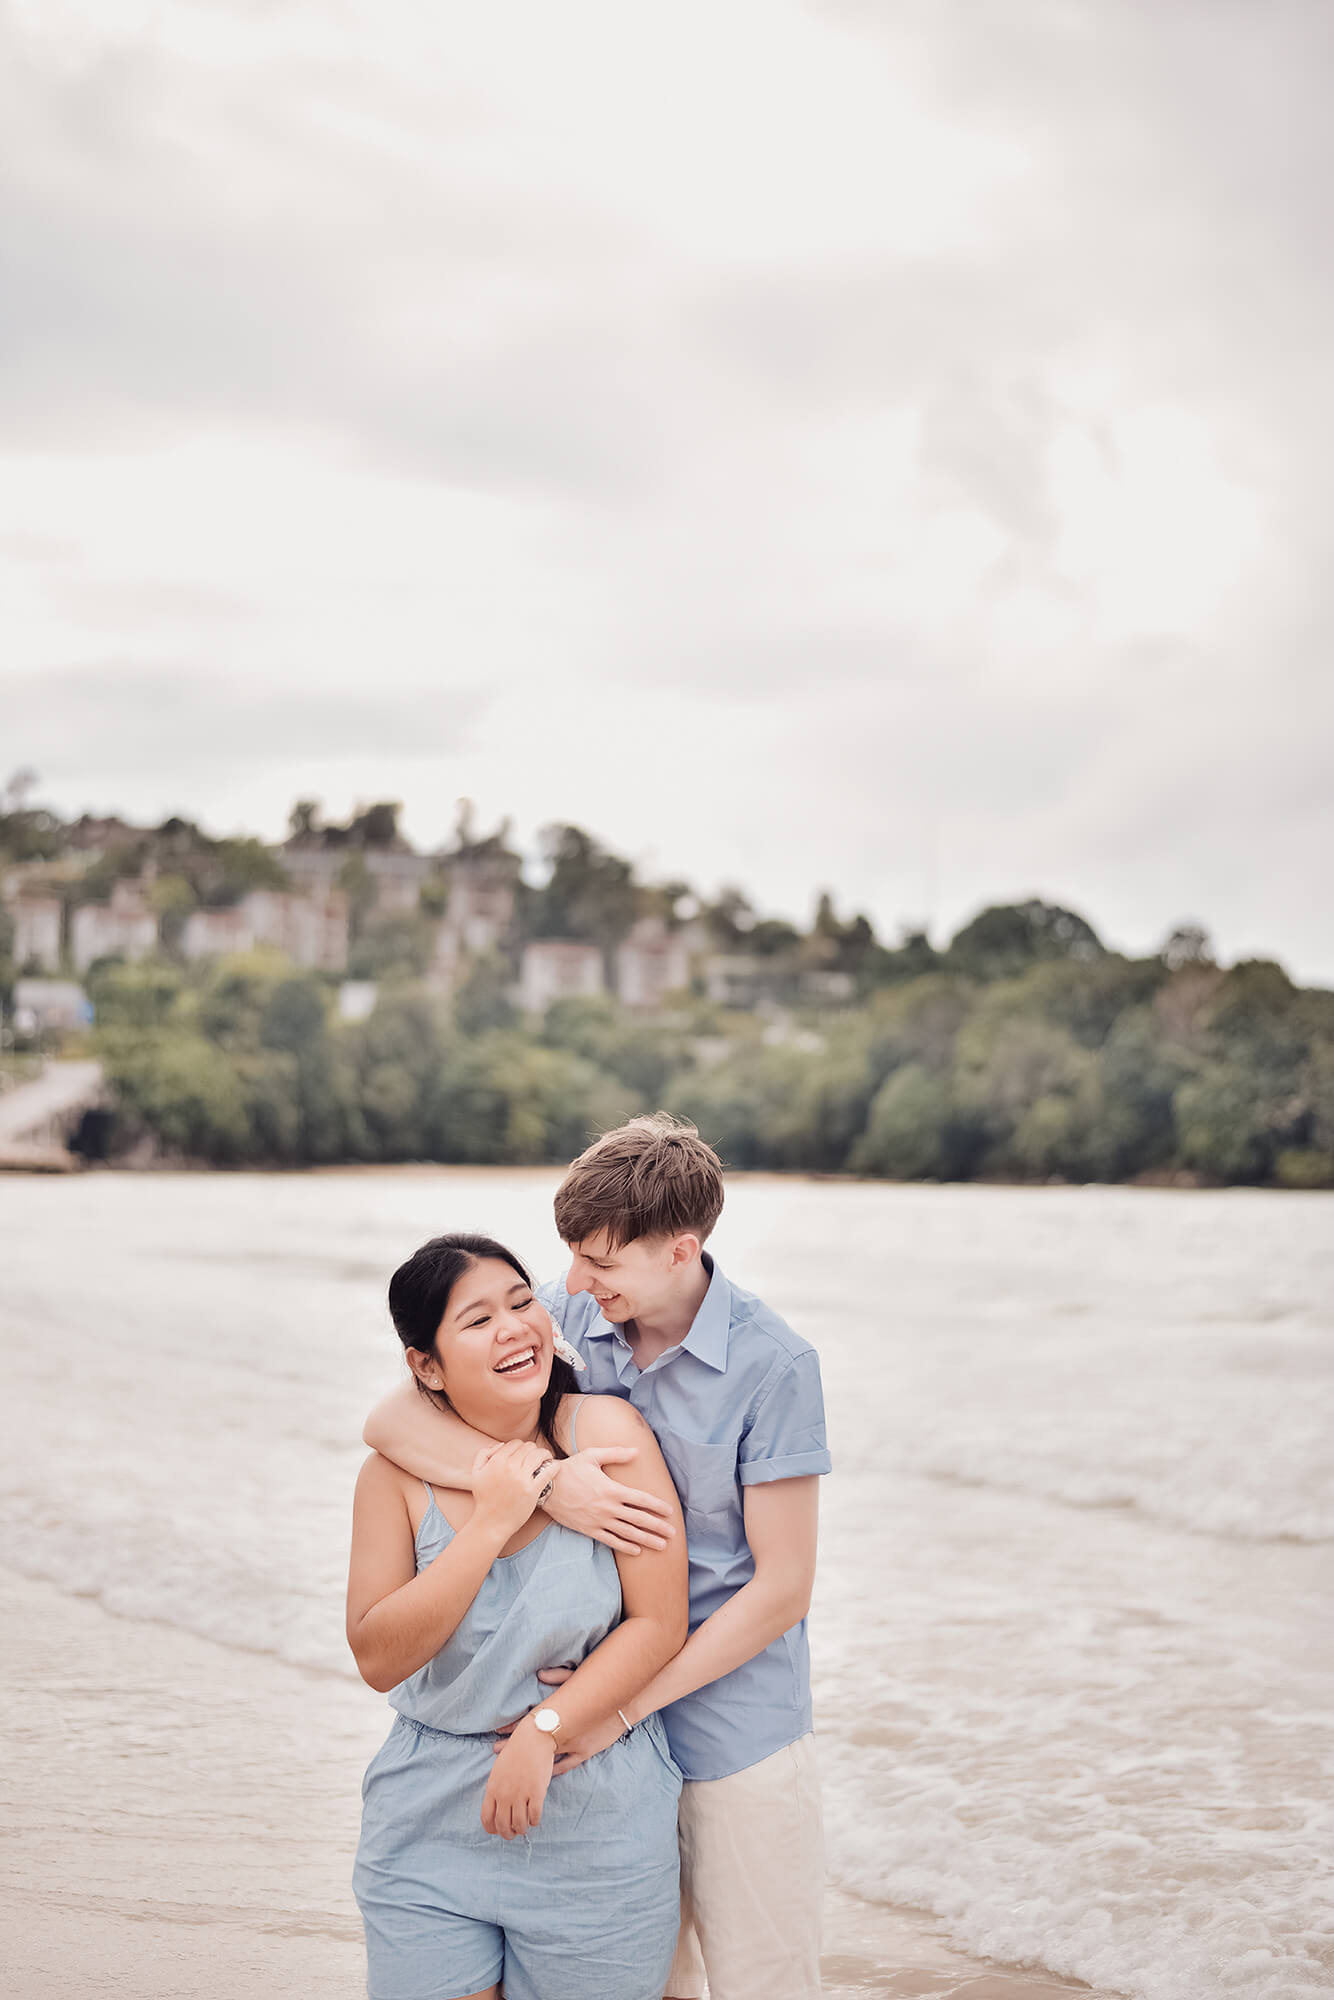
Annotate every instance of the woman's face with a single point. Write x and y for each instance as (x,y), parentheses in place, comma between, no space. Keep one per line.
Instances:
(493,1347)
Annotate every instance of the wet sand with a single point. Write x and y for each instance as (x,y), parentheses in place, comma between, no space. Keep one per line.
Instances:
(180,1817)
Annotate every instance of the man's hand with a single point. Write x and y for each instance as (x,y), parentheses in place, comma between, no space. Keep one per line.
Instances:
(586,1500)
(578,1749)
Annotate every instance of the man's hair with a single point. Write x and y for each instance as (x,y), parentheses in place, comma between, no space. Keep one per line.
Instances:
(654,1176)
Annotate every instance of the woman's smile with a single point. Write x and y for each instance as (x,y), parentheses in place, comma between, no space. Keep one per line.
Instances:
(524,1362)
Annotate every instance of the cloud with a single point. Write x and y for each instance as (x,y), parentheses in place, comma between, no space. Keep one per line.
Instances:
(116,724)
(891,452)
(181,246)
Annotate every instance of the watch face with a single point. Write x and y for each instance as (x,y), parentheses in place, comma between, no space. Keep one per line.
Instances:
(547,1720)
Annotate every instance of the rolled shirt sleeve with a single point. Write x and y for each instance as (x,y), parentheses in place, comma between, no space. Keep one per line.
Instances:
(784,1436)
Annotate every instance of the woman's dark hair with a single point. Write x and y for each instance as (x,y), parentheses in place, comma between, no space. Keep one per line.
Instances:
(419,1293)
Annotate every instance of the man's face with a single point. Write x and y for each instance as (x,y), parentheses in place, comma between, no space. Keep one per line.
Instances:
(632,1280)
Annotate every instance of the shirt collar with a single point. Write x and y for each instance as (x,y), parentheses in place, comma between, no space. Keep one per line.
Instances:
(707,1338)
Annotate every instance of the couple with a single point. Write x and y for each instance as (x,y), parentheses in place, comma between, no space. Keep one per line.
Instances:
(560,1654)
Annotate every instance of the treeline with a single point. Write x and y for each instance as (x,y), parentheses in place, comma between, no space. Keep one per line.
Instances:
(1023,1052)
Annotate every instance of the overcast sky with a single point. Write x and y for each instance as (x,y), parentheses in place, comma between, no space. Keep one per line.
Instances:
(882,444)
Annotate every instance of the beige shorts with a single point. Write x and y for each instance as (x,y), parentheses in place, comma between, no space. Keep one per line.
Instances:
(752,1882)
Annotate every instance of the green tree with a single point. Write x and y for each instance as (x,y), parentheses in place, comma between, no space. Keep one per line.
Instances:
(1222,1126)
(882,966)
(295,1022)
(827,1113)
(270,1083)
(590,893)
(1318,1095)
(1253,1040)
(392,947)
(234,868)
(1255,1020)
(1031,1091)
(140,997)
(357,883)
(503,1099)
(743,1106)
(730,919)
(1303,1167)
(483,999)
(27,833)
(641,1055)
(172,899)
(377,825)
(1188,944)
(918,1021)
(183,1088)
(230,997)
(397,1057)
(772,937)
(1086,997)
(1138,1074)
(8,969)
(433,896)
(914,1131)
(837,946)
(1009,937)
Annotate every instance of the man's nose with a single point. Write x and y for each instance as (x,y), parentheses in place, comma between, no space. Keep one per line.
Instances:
(576,1278)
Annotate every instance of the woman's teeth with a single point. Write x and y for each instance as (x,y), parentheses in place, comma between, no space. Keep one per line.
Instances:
(517,1363)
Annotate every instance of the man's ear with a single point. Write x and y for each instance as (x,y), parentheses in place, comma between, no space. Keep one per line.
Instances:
(685,1249)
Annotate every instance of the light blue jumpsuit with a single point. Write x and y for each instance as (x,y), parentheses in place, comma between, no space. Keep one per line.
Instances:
(585,1907)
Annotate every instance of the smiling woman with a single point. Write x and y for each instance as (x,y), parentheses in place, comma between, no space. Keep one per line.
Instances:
(456,1601)
(458,1354)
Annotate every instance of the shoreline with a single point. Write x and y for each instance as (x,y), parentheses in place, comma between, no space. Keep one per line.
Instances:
(182,1818)
(48,1162)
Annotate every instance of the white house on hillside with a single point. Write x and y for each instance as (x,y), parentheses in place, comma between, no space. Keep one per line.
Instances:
(37,931)
(558,969)
(123,928)
(311,930)
(652,963)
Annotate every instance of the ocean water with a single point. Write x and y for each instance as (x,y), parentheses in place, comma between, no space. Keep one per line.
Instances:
(1073,1638)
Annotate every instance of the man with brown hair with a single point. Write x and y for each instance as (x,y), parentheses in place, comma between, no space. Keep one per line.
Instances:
(733,1397)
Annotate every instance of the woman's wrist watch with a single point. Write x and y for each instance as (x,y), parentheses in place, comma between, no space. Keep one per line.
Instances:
(547,1720)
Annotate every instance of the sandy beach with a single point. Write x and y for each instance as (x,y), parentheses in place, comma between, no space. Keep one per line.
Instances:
(1070,1639)
(180,1821)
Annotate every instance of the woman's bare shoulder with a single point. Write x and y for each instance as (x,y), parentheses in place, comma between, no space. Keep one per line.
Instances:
(379,1478)
(385,1486)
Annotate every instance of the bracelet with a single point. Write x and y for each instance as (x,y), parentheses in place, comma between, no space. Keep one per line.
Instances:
(626,1720)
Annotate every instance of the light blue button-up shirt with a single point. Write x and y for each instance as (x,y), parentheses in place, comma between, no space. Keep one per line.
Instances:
(736,1404)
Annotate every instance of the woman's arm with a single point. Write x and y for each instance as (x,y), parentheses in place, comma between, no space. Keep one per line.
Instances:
(654,1585)
(654,1591)
(397,1620)
(436,1444)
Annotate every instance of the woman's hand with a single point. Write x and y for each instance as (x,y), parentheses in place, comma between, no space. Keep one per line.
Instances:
(508,1482)
(519,1780)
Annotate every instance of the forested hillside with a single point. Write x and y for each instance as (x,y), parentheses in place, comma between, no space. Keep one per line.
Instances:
(1097,1068)
(1022,1049)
